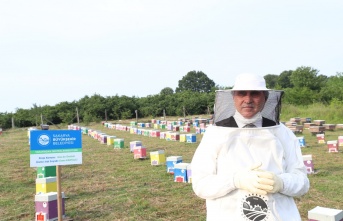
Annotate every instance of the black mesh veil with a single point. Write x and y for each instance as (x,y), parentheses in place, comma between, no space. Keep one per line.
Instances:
(224,106)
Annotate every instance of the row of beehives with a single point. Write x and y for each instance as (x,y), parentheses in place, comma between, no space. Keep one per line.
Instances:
(332,146)
(181,170)
(322,213)
(117,142)
(297,125)
(176,126)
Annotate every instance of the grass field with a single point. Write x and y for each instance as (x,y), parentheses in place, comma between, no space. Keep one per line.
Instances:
(112,185)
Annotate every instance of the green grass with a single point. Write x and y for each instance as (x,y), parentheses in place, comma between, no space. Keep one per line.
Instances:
(111,185)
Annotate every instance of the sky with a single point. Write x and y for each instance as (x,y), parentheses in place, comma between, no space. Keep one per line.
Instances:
(58,51)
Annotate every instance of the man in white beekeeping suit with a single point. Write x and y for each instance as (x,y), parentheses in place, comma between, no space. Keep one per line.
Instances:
(248,166)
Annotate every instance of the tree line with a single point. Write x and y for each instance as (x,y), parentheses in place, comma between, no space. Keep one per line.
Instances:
(194,95)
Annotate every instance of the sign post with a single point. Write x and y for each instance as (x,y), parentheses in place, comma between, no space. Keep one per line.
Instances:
(55,148)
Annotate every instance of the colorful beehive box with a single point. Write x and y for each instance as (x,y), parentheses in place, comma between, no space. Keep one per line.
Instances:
(141,124)
(189,173)
(163,135)
(148,125)
(170,127)
(155,133)
(308,163)
(320,138)
(302,142)
(332,146)
(110,140)
(118,143)
(174,136)
(171,161)
(198,130)
(202,130)
(191,138)
(103,139)
(158,157)
(162,126)
(176,128)
(139,152)
(180,172)
(48,171)
(186,129)
(168,136)
(183,138)
(133,123)
(47,207)
(325,214)
(156,126)
(134,144)
(139,131)
(45,185)
(146,133)
(340,141)
(153,121)
(202,125)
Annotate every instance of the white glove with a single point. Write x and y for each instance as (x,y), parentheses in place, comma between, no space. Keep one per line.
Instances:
(253,180)
(275,182)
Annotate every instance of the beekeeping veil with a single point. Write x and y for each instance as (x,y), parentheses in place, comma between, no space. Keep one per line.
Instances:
(224,103)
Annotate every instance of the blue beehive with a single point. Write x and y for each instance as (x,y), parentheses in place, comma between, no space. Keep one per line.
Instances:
(171,161)
(191,138)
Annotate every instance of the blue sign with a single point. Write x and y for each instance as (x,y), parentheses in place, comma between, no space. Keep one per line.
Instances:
(55,147)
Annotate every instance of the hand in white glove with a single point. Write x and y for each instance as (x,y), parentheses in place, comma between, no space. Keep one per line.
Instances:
(254,180)
(273,182)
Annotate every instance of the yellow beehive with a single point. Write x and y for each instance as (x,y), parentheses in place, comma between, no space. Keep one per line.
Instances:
(45,185)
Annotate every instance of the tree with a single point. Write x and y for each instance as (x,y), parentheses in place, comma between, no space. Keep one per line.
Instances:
(271,80)
(284,80)
(333,88)
(195,81)
(307,77)
(167,91)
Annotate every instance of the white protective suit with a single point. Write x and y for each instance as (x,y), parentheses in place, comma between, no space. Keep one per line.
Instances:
(225,150)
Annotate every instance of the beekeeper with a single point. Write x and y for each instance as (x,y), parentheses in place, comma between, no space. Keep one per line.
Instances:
(249,165)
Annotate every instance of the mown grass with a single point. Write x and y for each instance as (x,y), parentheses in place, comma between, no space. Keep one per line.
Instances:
(111,185)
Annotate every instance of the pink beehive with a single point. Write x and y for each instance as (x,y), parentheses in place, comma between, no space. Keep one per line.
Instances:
(187,129)
(332,146)
(320,138)
(139,152)
(340,141)
(198,130)
(155,133)
(176,128)
(162,135)
(308,163)
(174,136)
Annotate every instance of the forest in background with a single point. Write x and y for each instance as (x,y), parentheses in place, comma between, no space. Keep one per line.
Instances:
(307,94)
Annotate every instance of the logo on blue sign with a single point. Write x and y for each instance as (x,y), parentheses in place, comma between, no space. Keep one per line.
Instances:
(43,139)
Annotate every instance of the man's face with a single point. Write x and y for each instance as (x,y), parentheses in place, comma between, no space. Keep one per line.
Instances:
(248,103)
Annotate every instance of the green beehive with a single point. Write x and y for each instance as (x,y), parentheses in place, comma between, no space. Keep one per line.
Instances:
(48,171)
(162,126)
(118,143)
(133,123)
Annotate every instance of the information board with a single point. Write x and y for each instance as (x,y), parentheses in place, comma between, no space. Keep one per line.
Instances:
(55,147)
